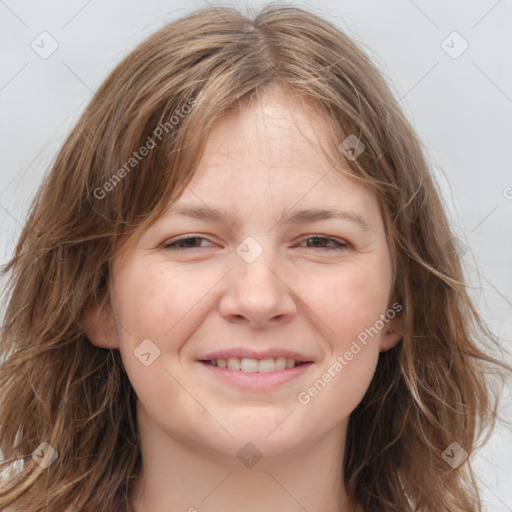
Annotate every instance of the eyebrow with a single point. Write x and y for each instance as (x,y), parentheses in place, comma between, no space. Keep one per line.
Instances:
(295,217)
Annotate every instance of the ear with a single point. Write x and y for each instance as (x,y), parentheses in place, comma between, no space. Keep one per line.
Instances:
(393,330)
(100,325)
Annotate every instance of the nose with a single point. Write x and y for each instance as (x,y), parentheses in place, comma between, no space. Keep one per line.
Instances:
(257,293)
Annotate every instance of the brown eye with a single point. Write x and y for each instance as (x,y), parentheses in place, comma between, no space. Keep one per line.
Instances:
(187,242)
(323,242)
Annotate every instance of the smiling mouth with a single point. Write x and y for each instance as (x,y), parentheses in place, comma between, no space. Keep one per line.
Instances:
(248,365)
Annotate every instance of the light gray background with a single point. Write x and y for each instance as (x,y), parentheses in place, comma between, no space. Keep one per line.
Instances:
(461,108)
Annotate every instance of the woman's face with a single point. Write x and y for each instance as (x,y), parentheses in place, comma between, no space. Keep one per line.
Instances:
(271,280)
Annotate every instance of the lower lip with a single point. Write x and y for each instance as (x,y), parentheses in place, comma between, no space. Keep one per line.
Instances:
(255,380)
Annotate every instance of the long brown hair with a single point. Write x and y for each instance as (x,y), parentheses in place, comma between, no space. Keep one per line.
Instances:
(429,391)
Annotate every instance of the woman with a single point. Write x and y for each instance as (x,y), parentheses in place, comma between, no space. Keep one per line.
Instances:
(317,350)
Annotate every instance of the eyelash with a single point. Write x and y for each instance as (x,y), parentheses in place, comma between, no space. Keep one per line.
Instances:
(341,245)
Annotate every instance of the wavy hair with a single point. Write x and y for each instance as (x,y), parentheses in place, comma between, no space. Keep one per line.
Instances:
(432,389)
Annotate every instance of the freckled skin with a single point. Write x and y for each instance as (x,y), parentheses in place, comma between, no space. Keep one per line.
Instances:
(307,299)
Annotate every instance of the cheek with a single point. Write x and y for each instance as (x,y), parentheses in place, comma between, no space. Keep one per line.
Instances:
(350,306)
(351,301)
(162,304)
(151,315)
(151,301)
(146,310)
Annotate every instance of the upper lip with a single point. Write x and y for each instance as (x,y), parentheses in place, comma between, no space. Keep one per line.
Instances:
(242,353)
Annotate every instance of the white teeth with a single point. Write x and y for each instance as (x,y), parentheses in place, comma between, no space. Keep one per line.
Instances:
(280,363)
(249,365)
(234,363)
(266,365)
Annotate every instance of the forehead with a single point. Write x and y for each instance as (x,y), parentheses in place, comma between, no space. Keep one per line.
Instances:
(274,149)
(274,131)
